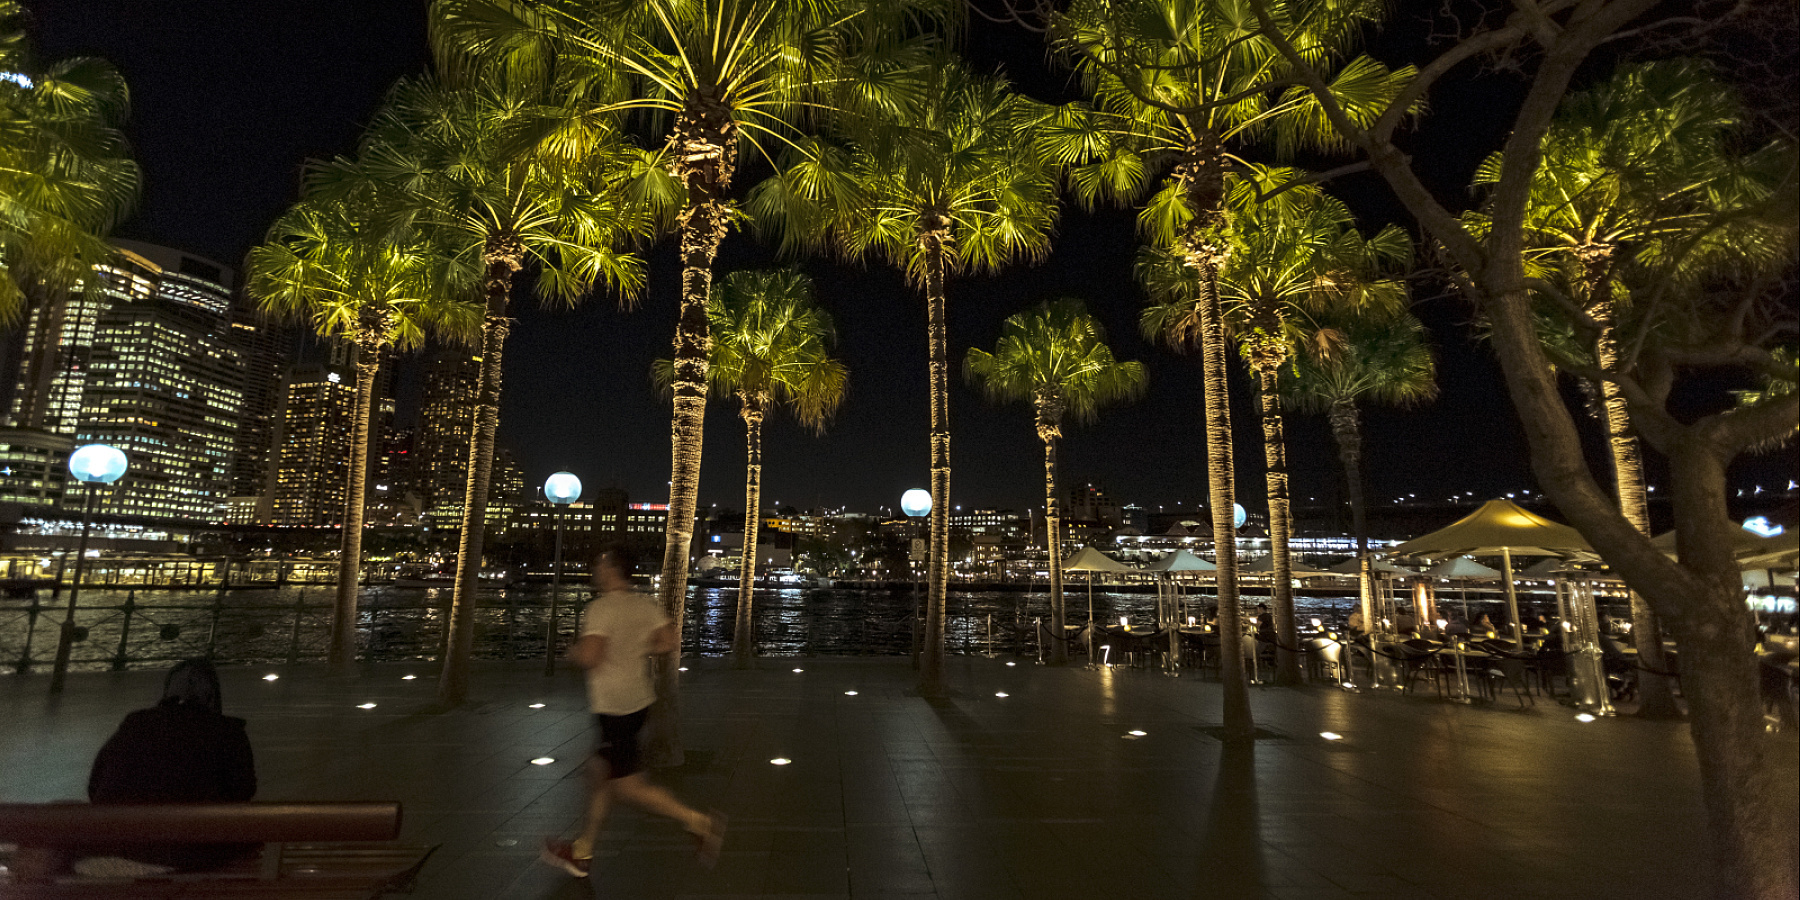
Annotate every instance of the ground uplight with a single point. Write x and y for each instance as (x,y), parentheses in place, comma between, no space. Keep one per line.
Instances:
(537,706)
(271,677)
(1011,664)
(780,761)
(1585,717)
(1331,735)
(542,761)
(1000,694)
(798,671)
(1137,733)
(365,706)
(682,669)
(849,693)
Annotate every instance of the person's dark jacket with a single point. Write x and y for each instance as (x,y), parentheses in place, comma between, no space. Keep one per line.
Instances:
(176,753)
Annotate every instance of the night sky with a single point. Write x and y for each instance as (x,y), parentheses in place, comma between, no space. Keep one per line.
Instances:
(230,99)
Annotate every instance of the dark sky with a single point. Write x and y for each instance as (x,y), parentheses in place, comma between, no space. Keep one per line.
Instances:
(230,99)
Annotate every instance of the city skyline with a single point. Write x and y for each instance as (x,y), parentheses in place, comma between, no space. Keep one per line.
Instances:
(223,135)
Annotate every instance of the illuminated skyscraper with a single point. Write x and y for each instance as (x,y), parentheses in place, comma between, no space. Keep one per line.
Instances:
(312,442)
(267,349)
(159,379)
(446,417)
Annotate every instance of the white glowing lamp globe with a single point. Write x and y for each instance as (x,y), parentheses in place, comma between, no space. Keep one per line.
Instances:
(97,462)
(562,488)
(1238,516)
(916,502)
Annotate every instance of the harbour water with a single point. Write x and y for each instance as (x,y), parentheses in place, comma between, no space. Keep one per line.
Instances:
(149,628)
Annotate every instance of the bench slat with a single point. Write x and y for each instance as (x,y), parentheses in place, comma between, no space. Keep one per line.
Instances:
(64,824)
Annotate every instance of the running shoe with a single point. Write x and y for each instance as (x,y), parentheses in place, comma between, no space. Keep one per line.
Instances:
(561,854)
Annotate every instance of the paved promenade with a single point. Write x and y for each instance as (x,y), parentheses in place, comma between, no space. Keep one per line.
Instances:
(1041,793)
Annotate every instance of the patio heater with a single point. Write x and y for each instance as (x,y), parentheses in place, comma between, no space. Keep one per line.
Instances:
(561,489)
(916,504)
(91,464)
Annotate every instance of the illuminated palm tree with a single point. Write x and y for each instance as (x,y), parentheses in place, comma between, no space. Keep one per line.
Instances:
(339,264)
(1055,357)
(1351,361)
(1295,255)
(66,178)
(771,348)
(718,75)
(956,185)
(467,176)
(1175,85)
(1638,184)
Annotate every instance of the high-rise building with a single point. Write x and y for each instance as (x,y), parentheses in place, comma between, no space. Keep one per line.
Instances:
(267,349)
(312,442)
(162,382)
(446,420)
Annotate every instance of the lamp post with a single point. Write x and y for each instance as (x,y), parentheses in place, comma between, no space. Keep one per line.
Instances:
(91,464)
(560,489)
(916,504)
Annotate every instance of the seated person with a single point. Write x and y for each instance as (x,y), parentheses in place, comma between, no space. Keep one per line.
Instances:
(1354,625)
(182,750)
(1404,623)
(1484,625)
(1265,623)
(1457,626)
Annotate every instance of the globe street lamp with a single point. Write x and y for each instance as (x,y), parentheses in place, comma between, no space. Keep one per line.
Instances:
(917,505)
(560,489)
(91,464)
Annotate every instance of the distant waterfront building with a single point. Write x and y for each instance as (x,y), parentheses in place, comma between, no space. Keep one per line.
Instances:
(312,444)
(266,350)
(446,417)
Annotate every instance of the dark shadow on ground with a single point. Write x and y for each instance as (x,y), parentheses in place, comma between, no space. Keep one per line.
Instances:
(1229,861)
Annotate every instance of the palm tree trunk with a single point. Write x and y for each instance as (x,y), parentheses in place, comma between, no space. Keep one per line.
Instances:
(341,656)
(1346,427)
(1048,430)
(1204,251)
(703,148)
(503,260)
(931,660)
(1656,695)
(743,638)
(1281,526)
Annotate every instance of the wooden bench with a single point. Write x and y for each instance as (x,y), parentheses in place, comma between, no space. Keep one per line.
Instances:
(315,851)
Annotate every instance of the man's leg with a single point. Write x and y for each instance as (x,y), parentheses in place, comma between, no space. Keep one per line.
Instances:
(599,799)
(637,790)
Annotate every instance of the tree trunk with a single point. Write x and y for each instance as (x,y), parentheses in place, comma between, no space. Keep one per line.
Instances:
(703,149)
(743,639)
(503,260)
(341,657)
(1204,250)
(1346,428)
(1656,696)
(1281,526)
(931,659)
(1049,429)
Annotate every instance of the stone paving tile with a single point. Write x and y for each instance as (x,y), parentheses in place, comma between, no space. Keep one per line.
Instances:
(1041,794)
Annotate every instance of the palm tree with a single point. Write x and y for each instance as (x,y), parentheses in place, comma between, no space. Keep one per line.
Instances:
(716,74)
(66,178)
(955,185)
(1055,357)
(1176,83)
(1354,360)
(561,206)
(1636,176)
(338,263)
(771,348)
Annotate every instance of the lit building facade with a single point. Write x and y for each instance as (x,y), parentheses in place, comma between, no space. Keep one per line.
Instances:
(446,422)
(312,443)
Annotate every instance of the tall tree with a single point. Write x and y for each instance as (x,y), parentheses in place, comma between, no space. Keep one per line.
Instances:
(1637,176)
(1734,328)
(66,178)
(712,75)
(1176,86)
(1351,361)
(1055,357)
(954,185)
(1295,255)
(339,264)
(499,179)
(771,348)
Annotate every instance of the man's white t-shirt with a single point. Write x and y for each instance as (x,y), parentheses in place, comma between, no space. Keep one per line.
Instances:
(621,684)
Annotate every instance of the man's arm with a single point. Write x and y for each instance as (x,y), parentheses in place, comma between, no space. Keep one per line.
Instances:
(588,651)
(662,640)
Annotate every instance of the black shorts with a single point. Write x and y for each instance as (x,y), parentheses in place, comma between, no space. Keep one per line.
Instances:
(619,742)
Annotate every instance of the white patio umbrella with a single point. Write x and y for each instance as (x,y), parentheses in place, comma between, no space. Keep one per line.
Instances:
(1090,561)
(1499,526)
(1462,568)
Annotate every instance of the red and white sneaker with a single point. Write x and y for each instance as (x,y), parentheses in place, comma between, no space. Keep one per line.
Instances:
(561,854)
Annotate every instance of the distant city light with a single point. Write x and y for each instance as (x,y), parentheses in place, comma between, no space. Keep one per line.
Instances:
(1760,525)
(18,78)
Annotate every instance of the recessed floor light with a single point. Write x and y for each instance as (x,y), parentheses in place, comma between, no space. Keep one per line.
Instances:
(1136,733)
(542,761)
(408,677)
(780,761)
(1012,664)
(798,671)
(849,693)
(682,669)
(271,677)
(537,706)
(1585,717)
(1001,694)
(365,706)
(1331,735)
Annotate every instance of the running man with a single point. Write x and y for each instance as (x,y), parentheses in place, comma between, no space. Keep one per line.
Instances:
(621,629)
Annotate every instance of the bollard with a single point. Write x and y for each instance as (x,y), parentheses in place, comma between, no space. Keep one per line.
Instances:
(294,634)
(31,617)
(118,661)
(1037,630)
(990,623)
